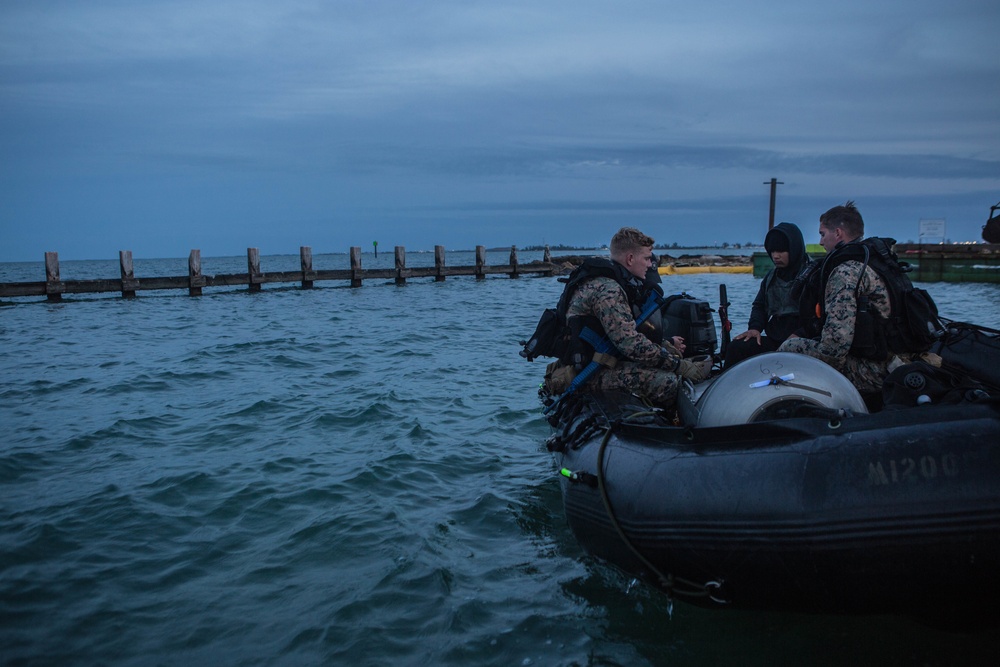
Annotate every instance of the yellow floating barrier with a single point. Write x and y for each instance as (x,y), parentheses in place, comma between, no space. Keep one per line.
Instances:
(671,270)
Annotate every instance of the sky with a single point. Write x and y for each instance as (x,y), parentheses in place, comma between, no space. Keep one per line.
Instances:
(163,126)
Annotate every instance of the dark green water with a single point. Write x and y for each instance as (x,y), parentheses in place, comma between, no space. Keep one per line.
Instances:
(337,476)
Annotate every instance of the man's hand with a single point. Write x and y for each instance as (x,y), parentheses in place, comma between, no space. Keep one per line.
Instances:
(748,334)
(678,343)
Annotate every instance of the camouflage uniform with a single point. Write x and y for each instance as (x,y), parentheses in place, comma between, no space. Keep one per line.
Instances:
(646,368)
(840,308)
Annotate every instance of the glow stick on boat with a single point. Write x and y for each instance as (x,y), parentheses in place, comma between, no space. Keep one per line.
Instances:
(775,379)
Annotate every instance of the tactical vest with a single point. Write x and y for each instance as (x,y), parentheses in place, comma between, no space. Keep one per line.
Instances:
(782,307)
(584,329)
(912,325)
(778,294)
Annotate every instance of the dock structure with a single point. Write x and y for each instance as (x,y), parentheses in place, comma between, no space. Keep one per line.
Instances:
(128,285)
(929,263)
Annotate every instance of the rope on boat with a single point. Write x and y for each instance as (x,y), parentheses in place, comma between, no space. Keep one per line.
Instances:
(671,584)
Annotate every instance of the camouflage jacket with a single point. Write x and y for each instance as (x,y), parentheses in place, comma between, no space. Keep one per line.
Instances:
(840,306)
(604,299)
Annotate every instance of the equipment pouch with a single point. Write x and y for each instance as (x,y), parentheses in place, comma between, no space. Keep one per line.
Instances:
(558,377)
(869,338)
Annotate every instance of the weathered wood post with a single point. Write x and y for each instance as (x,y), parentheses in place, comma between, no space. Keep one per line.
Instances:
(306,260)
(355,266)
(54,287)
(195,280)
(129,283)
(400,265)
(438,263)
(513,262)
(547,258)
(480,262)
(253,269)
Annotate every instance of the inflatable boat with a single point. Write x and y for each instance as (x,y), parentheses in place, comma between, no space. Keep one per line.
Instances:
(773,486)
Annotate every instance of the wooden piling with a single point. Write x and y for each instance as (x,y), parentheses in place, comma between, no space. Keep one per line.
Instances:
(195,280)
(306,260)
(439,263)
(400,265)
(355,266)
(129,283)
(480,262)
(54,287)
(254,277)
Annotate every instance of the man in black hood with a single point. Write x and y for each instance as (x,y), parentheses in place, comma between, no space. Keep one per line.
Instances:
(774,311)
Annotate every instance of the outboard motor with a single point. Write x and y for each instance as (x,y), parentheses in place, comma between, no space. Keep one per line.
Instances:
(773,385)
(685,316)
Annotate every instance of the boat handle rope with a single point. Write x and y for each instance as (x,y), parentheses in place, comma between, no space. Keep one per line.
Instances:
(671,584)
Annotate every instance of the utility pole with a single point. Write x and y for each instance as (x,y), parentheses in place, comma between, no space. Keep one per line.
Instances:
(774,191)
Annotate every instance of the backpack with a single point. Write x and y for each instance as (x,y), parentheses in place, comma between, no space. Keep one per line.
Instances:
(919,383)
(913,325)
(551,338)
(973,350)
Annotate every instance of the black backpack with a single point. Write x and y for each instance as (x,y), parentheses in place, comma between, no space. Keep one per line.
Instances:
(913,325)
(551,338)
(972,350)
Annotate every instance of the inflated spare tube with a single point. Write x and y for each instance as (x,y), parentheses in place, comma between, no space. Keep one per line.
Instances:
(772,385)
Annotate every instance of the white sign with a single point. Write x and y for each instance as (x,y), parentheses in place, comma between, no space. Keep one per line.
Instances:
(932,227)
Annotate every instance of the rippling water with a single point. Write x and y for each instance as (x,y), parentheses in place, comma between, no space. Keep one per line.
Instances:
(342,476)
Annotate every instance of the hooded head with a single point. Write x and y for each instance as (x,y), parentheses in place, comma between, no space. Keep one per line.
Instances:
(786,237)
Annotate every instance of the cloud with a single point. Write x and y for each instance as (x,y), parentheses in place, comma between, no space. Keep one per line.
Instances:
(312,115)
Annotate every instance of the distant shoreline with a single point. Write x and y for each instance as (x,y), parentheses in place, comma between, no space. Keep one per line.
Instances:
(656,249)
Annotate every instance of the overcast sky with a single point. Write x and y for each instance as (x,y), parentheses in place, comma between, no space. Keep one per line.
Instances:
(162,126)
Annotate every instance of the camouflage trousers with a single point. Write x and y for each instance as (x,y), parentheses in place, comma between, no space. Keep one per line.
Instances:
(865,374)
(657,385)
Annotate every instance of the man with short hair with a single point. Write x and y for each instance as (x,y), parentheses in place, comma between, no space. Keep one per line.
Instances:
(852,297)
(606,298)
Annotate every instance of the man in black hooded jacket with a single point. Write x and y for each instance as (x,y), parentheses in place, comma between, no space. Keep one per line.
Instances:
(774,312)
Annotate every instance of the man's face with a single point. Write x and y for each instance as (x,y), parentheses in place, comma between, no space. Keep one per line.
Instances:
(780,258)
(639,262)
(829,238)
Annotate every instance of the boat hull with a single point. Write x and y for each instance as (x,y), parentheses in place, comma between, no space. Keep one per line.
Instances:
(893,512)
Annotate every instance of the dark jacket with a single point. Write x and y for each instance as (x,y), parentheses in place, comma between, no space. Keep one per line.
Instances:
(775,311)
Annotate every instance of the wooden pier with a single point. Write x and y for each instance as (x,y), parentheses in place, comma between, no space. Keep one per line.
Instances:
(195,281)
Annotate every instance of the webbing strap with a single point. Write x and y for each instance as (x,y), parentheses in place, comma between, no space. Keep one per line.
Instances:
(605,359)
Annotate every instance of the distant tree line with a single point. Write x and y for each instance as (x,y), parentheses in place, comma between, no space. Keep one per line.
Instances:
(659,246)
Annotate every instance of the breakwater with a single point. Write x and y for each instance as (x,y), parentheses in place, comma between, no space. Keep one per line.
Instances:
(128,284)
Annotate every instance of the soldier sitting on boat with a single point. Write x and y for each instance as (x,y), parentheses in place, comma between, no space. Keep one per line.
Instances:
(774,315)
(871,317)
(602,300)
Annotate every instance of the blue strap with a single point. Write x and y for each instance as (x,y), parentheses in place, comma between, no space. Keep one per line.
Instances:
(594,339)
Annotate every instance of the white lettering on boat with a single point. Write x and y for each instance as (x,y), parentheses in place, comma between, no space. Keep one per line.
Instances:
(911,470)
